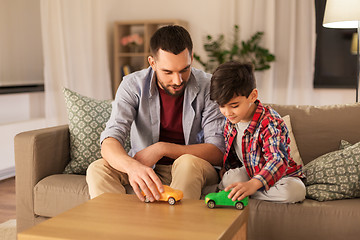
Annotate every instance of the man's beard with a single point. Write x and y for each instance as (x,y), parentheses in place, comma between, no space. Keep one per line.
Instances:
(165,88)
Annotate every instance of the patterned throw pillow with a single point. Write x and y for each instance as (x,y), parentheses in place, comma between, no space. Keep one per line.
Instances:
(334,175)
(87,119)
(344,144)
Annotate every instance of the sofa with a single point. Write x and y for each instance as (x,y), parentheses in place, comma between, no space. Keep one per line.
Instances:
(43,191)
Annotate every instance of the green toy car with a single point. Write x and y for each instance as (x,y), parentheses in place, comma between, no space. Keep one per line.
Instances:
(221,198)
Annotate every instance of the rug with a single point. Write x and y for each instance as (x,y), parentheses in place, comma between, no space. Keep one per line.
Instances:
(8,230)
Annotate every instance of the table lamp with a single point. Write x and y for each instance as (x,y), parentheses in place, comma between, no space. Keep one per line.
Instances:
(344,14)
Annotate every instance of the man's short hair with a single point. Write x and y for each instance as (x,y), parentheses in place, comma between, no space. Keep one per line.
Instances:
(232,79)
(171,38)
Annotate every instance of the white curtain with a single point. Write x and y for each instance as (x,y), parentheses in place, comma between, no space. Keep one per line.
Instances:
(289,27)
(75,53)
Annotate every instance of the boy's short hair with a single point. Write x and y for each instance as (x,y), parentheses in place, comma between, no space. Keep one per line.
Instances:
(171,38)
(232,79)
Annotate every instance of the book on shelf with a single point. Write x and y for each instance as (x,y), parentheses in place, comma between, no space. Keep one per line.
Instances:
(125,70)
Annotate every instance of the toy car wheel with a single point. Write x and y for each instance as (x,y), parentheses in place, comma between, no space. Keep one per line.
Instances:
(171,201)
(211,204)
(239,205)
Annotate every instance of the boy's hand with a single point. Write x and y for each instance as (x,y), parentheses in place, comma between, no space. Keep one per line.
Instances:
(240,190)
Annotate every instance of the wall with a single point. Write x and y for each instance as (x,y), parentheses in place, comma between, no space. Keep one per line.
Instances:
(203,16)
(8,132)
(20,43)
(333,96)
(19,112)
(21,107)
(20,63)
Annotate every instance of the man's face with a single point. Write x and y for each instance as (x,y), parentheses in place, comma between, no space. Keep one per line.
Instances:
(240,108)
(172,71)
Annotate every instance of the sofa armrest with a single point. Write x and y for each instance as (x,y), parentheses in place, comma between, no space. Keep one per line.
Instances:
(38,154)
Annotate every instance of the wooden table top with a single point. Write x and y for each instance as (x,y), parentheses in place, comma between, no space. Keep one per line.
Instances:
(122,216)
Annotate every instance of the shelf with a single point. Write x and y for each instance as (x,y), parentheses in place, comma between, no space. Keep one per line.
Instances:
(124,56)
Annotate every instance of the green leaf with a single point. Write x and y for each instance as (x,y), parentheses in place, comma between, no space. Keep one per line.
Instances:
(250,50)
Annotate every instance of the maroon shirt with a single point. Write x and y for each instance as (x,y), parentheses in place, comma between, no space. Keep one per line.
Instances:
(171,129)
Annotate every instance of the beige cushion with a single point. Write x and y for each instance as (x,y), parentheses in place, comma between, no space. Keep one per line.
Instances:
(58,193)
(334,175)
(310,220)
(294,151)
(319,129)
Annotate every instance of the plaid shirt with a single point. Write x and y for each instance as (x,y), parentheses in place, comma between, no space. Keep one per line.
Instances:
(266,151)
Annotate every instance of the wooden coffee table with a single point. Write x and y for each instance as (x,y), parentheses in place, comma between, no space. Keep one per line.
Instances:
(122,216)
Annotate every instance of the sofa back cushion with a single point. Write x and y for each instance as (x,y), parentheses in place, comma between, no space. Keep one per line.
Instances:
(319,129)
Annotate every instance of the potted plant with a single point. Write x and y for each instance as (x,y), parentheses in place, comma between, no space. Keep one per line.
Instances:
(134,42)
(244,51)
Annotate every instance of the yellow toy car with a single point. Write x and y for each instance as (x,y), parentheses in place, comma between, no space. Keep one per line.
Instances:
(169,195)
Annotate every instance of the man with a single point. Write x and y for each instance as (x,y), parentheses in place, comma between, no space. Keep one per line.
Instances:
(175,128)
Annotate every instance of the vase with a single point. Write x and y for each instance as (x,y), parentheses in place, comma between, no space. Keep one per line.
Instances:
(135,48)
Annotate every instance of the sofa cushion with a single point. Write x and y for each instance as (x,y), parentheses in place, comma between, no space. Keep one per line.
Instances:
(87,119)
(334,175)
(58,193)
(294,151)
(310,220)
(319,129)
(344,144)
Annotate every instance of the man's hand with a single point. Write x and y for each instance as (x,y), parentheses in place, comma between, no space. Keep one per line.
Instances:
(240,190)
(150,155)
(143,178)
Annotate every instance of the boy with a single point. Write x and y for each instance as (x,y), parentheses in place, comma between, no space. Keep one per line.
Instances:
(257,159)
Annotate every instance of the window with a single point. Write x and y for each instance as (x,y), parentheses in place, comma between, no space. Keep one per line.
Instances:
(335,65)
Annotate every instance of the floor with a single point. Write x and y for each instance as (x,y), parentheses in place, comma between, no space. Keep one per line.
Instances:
(7,199)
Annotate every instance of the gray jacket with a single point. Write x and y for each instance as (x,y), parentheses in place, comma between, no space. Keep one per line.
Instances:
(137,107)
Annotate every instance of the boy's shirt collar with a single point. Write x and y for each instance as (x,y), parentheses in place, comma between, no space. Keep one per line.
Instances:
(259,112)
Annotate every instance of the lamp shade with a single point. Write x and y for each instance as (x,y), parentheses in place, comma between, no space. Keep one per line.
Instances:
(342,14)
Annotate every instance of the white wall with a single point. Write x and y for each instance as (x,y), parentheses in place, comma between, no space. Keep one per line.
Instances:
(21,107)
(333,96)
(8,132)
(20,63)
(19,112)
(20,43)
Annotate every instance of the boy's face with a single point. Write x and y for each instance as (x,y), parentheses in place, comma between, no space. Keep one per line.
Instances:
(240,108)
(172,71)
